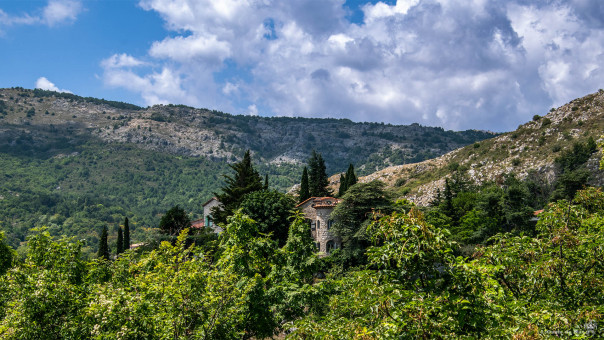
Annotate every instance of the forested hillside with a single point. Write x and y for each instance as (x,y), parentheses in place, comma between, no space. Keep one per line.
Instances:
(77,164)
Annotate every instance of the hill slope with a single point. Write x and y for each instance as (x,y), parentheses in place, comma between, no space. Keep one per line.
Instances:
(76,164)
(532,148)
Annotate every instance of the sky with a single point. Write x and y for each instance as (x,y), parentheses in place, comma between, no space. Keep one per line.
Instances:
(458,64)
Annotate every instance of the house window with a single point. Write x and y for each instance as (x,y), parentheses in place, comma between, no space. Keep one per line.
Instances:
(331,245)
(329,224)
(318,246)
(318,224)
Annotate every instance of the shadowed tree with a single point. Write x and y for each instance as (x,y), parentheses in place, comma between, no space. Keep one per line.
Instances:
(103,247)
(304,190)
(245,180)
(119,247)
(126,234)
(317,176)
(175,220)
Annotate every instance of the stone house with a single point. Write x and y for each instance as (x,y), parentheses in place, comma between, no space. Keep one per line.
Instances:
(207,214)
(317,211)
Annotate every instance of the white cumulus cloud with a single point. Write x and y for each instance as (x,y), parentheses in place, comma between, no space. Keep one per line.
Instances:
(45,84)
(55,12)
(458,64)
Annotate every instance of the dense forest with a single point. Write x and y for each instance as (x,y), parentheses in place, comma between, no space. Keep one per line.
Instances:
(478,263)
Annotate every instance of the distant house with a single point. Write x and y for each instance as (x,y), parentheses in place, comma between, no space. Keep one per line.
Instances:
(536,214)
(207,214)
(317,211)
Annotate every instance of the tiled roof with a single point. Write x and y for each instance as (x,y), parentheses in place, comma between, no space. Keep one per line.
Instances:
(321,202)
(197,224)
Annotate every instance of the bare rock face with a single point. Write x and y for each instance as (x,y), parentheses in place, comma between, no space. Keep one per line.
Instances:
(188,131)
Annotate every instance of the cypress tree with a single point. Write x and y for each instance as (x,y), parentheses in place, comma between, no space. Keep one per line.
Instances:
(126,242)
(351,178)
(347,180)
(266,182)
(245,180)
(317,176)
(103,247)
(343,185)
(304,190)
(120,242)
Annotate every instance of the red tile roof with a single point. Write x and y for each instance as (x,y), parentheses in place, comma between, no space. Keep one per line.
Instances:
(197,224)
(321,202)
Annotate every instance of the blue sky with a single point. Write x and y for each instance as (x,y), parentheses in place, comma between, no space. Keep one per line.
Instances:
(459,64)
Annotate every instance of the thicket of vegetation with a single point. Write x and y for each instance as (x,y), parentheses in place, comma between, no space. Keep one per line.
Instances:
(412,286)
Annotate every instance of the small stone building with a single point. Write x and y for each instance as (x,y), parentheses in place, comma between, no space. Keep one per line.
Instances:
(207,214)
(317,211)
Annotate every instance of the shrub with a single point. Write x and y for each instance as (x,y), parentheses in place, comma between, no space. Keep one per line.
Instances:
(536,117)
(516,161)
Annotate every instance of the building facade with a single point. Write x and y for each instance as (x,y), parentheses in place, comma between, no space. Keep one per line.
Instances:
(317,211)
(207,214)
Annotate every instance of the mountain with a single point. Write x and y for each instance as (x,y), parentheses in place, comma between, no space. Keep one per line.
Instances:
(530,150)
(76,164)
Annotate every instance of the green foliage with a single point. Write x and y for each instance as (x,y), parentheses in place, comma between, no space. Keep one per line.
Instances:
(413,285)
(352,215)
(347,180)
(126,243)
(119,246)
(103,252)
(44,295)
(317,176)
(7,255)
(39,93)
(304,188)
(49,190)
(554,281)
(473,214)
(271,210)
(174,221)
(245,180)
(571,165)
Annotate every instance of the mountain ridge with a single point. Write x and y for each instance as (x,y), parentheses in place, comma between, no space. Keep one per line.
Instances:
(532,148)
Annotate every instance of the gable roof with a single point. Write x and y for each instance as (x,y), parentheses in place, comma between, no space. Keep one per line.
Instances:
(210,200)
(321,202)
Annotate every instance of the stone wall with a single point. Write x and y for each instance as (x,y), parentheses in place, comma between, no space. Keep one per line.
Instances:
(317,213)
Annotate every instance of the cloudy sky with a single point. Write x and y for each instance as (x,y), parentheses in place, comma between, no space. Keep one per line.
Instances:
(459,64)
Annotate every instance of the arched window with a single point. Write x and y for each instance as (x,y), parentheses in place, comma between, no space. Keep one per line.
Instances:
(318,224)
(331,245)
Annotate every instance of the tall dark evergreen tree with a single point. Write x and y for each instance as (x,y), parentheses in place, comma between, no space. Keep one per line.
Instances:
(103,247)
(343,185)
(245,180)
(317,176)
(120,242)
(304,190)
(126,235)
(347,180)
(266,182)
(351,177)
